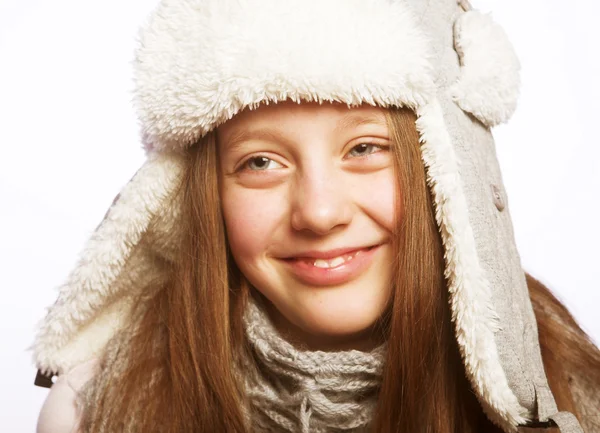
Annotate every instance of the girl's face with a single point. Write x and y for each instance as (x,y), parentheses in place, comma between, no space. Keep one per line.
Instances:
(308,195)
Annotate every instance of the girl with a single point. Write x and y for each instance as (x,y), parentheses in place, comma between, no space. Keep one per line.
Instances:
(319,239)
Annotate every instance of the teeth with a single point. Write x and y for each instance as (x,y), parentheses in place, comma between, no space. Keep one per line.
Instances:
(319,263)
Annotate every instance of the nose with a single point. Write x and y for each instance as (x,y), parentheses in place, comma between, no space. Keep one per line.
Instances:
(320,203)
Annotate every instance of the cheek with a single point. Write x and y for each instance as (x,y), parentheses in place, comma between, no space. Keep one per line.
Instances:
(378,198)
(251,218)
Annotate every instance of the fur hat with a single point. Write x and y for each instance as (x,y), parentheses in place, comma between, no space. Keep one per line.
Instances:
(202,61)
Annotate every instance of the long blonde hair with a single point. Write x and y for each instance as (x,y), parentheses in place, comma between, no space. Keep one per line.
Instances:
(180,361)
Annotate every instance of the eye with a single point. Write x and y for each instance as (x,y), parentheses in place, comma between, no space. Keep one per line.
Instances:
(365,149)
(260,163)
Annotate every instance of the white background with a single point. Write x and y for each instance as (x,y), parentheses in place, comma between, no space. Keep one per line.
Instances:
(69,142)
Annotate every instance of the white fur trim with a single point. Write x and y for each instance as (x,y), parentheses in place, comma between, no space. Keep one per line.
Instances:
(473,314)
(489,81)
(97,285)
(201,62)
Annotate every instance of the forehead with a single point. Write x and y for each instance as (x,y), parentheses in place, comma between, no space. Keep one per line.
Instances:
(291,115)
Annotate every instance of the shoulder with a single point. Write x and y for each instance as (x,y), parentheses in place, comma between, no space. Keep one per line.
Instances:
(59,413)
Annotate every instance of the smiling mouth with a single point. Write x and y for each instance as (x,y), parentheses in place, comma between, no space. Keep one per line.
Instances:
(331,268)
(333,262)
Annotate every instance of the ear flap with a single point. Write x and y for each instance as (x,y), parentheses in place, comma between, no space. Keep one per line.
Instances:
(129,248)
(488,84)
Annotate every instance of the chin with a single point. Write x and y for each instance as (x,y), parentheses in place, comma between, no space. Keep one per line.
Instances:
(332,318)
(340,320)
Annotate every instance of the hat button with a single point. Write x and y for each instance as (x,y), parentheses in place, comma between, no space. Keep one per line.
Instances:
(497,196)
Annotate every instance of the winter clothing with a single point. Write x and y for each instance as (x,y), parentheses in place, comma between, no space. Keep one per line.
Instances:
(308,391)
(202,61)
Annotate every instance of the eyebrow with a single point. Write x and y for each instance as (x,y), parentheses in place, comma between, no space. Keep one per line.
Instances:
(347,122)
(239,137)
(356,120)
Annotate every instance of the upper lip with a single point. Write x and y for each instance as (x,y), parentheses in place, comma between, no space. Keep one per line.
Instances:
(326,255)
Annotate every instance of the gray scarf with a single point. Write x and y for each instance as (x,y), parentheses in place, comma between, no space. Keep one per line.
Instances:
(306,391)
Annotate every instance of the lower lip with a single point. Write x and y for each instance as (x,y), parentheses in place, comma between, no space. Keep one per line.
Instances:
(314,276)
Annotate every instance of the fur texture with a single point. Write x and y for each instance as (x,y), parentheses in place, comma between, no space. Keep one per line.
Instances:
(489,82)
(93,301)
(201,62)
(473,314)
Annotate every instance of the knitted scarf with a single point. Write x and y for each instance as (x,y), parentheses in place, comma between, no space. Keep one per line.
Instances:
(307,391)
(287,390)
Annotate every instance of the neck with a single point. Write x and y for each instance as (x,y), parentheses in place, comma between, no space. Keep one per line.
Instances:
(364,341)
